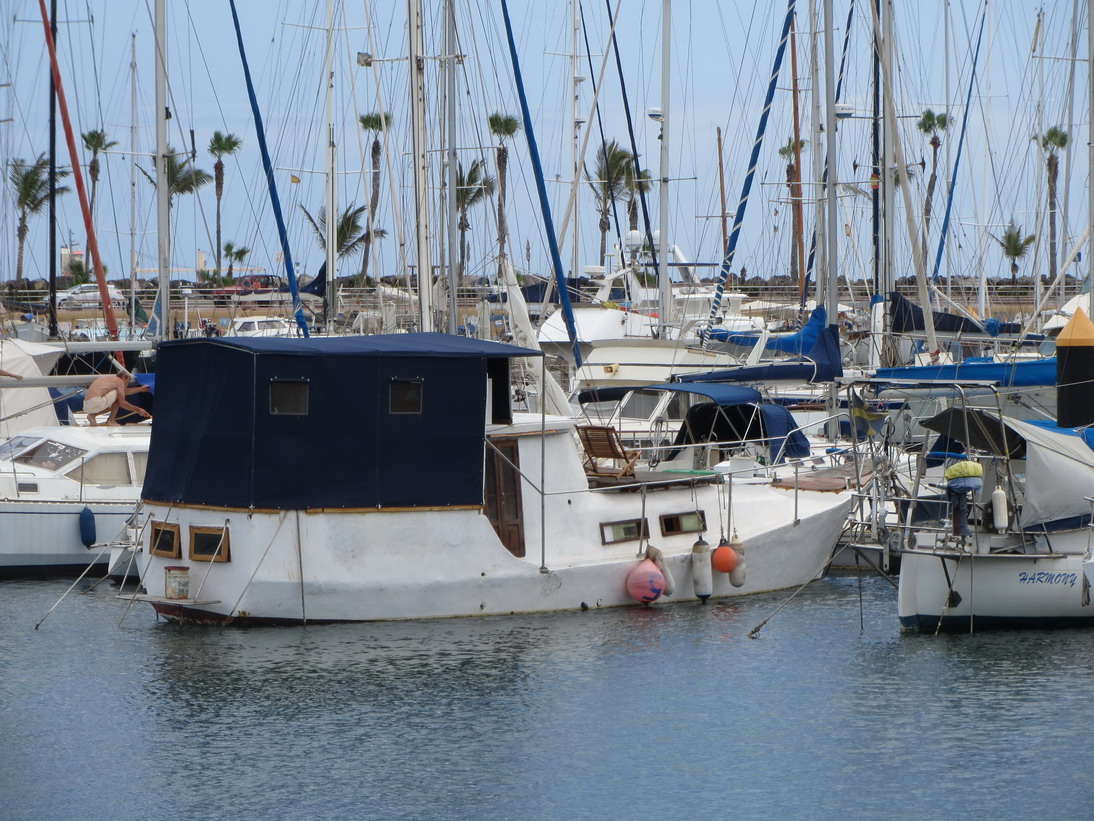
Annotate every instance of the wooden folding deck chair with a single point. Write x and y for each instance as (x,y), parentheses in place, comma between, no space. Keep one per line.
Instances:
(602,442)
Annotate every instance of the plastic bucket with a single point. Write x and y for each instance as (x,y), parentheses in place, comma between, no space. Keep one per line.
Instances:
(176,582)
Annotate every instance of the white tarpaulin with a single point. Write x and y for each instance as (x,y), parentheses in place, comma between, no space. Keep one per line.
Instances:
(1059,474)
(22,408)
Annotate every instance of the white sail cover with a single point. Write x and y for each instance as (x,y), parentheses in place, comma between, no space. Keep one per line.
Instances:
(552,396)
(1059,474)
(22,408)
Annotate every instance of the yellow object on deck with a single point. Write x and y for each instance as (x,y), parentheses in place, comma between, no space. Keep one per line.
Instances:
(962,470)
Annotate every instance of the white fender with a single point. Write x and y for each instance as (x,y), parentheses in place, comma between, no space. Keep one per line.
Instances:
(999,514)
(740,573)
(702,577)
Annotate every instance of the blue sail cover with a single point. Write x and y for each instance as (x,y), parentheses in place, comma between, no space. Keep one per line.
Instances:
(797,343)
(333,422)
(1026,374)
(823,364)
(907,317)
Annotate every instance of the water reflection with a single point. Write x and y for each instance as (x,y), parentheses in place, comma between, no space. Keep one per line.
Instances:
(828,713)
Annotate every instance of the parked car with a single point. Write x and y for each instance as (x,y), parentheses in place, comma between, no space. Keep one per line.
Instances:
(87,296)
(254,288)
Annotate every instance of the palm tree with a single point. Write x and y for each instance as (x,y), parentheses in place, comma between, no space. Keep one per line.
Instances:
(473,186)
(931,123)
(1051,142)
(96,142)
(234,255)
(502,126)
(182,178)
(1014,247)
(220,146)
(30,189)
(350,237)
(613,168)
(635,184)
(789,154)
(374,123)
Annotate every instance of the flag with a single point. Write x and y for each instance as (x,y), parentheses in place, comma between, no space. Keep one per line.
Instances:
(862,418)
(294,179)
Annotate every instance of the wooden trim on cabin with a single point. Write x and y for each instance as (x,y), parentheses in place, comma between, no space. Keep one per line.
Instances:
(153,541)
(223,549)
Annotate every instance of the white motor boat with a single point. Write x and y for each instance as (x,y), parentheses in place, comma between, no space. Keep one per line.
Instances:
(431,498)
(1020,561)
(67,492)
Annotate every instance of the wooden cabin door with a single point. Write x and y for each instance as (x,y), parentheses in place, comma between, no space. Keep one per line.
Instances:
(502,494)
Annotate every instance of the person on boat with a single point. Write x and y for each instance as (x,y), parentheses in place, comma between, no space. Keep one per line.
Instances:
(12,375)
(963,478)
(107,393)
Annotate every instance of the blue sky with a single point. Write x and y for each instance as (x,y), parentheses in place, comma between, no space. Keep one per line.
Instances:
(721,58)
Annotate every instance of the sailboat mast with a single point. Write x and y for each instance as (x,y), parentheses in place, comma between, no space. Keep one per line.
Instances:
(663,278)
(1090,151)
(817,107)
(330,301)
(796,205)
(132,179)
(163,194)
(421,165)
(575,139)
(982,285)
(831,268)
(455,253)
(722,189)
(54,331)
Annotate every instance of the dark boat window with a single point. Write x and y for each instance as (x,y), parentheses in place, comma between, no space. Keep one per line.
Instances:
(50,455)
(405,396)
(673,523)
(165,540)
(289,398)
(209,544)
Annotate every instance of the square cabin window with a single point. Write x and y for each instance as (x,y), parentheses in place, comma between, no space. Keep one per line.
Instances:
(405,396)
(630,530)
(693,522)
(209,544)
(289,398)
(165,540)
(108,469)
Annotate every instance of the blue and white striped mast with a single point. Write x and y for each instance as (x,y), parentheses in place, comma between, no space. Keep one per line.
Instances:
(738,217)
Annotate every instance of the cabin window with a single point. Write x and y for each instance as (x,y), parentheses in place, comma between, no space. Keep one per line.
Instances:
(289,398)
(17,444)
(630,530)
(140,465)
(693,522)
(27,487)
(166,541)
(50,455)
(104,469)
(405,396)
(209,544)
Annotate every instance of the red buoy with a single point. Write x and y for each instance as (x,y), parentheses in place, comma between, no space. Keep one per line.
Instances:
(724,558)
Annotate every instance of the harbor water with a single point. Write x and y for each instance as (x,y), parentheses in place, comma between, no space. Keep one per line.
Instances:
(662,712)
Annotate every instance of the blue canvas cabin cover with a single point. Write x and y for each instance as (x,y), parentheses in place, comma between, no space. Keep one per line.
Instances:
(344,422)
(738,413)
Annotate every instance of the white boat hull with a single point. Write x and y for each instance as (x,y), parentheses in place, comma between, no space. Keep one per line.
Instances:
(993,590)
(296,566)
(45,536)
